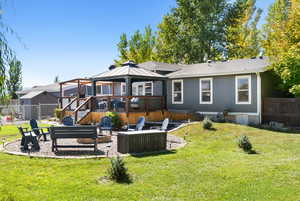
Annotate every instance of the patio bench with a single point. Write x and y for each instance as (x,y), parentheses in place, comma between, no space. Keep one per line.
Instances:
(64,132)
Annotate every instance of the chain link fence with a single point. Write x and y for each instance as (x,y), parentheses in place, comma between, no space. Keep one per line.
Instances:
(27,112)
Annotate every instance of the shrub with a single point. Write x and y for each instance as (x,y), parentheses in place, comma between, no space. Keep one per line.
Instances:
(245,144)
(58,113)
(118,172)
(115,119)
(207,123)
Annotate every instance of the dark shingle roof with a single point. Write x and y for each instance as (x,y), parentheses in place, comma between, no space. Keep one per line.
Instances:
(231,67)
(31,94)
(158,66)
(128,71)
(49,88)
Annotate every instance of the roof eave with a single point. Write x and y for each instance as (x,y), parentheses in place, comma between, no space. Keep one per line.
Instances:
(217,74)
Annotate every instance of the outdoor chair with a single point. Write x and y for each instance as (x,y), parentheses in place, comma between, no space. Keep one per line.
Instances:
(102,105)
(134,103)
(163,127)
(139,125)
(27,138)
(39,131)
(105,124)
(68,121)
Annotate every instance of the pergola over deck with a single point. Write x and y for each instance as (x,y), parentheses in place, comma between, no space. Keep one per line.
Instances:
(78,81)
(128,73)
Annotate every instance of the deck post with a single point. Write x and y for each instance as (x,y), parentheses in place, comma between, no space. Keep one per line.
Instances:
(78,88)
(94,87)
(128,86)
(128,93)
(60,94)
(164,83)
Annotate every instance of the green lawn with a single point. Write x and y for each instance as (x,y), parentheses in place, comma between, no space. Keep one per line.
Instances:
(210,167)
(10,132)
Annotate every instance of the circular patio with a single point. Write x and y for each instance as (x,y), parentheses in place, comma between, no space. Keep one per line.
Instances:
(108,149)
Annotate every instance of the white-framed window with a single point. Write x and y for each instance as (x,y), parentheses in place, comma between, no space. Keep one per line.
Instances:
(177,91)
(148,89)
(243,89)
(123,89)
(99,89)
(103,89)
(206,91)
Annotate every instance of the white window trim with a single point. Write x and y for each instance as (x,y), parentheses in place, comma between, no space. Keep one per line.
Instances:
(101,94)
(137,88)
(211,91)
(123,93)
(249,89)
(177,102)
(151,88)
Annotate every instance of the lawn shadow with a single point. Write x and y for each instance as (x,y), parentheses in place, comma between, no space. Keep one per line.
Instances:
(78,152)
(252,152)
(106,180)
(286,130)
(155,153)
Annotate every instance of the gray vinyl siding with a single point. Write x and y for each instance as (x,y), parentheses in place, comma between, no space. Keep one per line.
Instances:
(223,96)
(157,88)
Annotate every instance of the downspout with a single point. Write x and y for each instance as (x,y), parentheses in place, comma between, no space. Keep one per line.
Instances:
(259,108)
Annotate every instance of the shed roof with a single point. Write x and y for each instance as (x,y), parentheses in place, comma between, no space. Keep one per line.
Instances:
(230,67)
(32,94)
(49,88)
(124,71)
(158,66)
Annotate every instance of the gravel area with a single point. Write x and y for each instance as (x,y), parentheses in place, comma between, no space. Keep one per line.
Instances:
(105,149)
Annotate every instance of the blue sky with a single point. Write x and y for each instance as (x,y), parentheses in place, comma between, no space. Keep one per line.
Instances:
(73,38)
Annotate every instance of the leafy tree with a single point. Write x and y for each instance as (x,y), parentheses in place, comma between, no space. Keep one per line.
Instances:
(14,80)
(56,79)
(193,31)
(276,20)
(139,48)
(5,53)
(243,36)
(282,42)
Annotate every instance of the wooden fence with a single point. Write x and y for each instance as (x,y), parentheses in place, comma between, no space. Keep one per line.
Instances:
(284,110)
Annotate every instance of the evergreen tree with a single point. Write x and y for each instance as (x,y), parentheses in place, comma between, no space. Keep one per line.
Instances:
(14,80)
(56,79)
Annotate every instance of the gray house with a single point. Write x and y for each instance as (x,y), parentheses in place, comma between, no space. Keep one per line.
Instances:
(236,86)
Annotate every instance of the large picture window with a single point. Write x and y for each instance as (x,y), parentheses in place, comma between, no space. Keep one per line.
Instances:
(243,89)
(177,91)
(206,91)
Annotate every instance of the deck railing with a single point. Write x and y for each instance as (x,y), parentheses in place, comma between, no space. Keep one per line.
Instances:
(128,103)
(81,106)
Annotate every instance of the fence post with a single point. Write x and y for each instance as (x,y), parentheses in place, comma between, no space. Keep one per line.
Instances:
(39,111)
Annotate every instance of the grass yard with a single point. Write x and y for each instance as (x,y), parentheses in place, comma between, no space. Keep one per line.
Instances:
(210,167)
(10,132)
